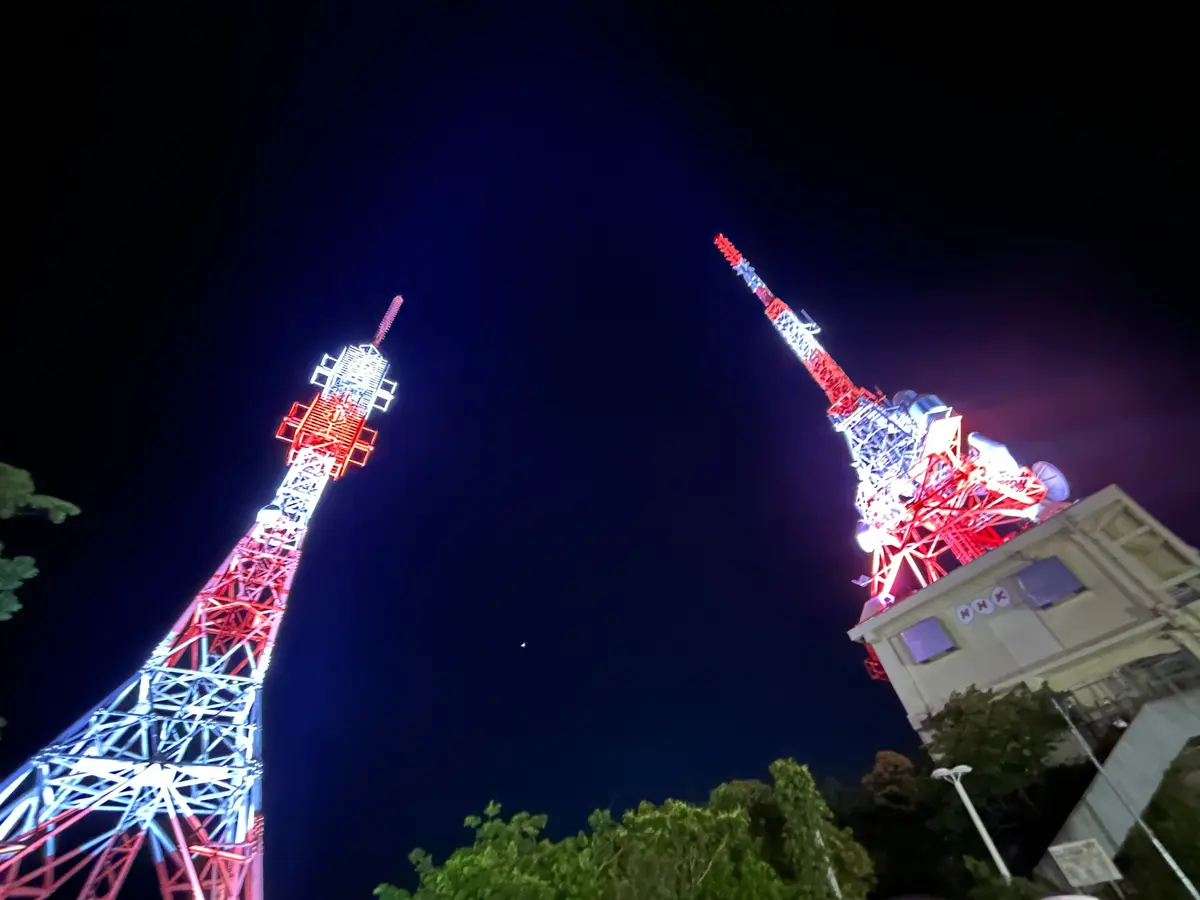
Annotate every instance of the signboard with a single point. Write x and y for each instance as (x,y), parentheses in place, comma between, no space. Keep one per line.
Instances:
(1084,863)
(983,605)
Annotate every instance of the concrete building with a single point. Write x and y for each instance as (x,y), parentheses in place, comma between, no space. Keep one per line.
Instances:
(1101,602)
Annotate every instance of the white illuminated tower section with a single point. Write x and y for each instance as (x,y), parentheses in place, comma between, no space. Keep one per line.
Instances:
(171,761)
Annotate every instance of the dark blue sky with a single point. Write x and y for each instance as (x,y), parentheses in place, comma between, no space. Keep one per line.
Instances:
(601,448)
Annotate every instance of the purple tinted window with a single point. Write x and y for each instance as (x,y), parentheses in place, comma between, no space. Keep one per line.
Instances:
(927,639)
(1047,581)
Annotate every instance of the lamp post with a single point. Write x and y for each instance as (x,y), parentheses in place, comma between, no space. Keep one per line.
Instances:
(954,776)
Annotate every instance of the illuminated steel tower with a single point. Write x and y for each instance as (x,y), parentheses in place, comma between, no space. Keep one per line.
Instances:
(173,757)
(924,499)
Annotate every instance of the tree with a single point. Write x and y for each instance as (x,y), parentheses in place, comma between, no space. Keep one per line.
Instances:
(894,782)
(917,831)
(1007,739)
(990,886)
(19,499)
(891,812)
(796,830)
(752,841)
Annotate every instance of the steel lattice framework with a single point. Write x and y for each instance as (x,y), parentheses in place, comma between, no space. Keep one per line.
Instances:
(173,757)
(924,501)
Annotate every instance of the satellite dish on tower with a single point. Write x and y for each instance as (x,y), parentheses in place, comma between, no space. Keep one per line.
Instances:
(869,538)
(1055,481)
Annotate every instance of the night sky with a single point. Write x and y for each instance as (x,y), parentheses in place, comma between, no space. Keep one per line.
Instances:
(600,446)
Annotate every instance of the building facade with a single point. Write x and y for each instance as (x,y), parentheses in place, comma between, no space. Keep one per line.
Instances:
(1070,602)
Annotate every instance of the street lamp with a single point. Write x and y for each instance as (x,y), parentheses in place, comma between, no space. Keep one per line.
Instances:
(954,776)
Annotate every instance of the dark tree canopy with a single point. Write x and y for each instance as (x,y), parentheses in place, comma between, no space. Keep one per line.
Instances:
(917,832)
(1007,739)
(752,841)
(894,782)
(922,842)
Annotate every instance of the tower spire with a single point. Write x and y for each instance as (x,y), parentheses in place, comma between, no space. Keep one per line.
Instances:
(386,322)
(800,332)
(925,499)
(172,759)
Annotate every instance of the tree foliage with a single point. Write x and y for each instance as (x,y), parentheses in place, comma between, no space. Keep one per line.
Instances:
(894,782)
(780,840)
(990,886)
(751,840)
(1007,739)
(18,498)
(891,812)
(917,831)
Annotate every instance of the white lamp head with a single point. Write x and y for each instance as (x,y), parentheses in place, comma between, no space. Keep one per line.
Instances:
(951,774)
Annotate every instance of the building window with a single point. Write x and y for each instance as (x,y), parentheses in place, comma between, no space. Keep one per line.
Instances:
(1048,581)
(927,640)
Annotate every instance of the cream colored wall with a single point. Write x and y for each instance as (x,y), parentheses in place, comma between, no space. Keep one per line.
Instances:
(1118,618)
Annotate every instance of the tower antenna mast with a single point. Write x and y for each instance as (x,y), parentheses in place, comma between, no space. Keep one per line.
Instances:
(925,499)
(172,759)
(385,323)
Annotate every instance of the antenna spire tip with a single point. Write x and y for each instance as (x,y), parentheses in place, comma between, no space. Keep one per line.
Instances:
(388,318)
(731,253)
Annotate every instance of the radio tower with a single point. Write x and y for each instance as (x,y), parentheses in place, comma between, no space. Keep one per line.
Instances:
(172,759)
(924,499)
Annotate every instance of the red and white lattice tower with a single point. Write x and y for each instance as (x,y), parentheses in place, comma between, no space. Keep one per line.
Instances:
(172,759)
(925,499)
